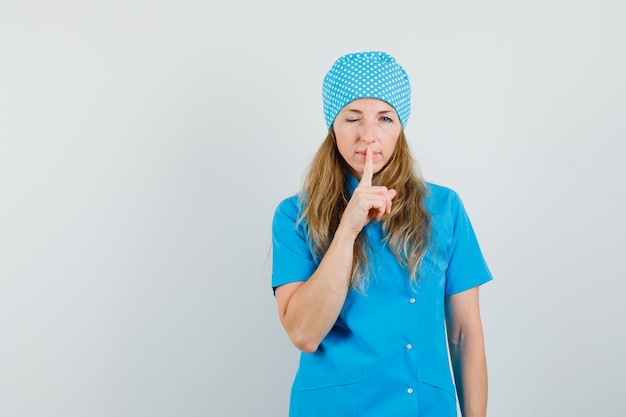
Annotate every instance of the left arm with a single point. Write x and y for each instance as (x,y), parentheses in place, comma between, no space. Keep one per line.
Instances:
(467,351)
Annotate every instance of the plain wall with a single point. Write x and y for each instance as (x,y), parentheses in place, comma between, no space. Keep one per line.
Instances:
(145,144)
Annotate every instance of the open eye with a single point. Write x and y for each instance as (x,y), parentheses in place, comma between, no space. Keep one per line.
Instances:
(386,119)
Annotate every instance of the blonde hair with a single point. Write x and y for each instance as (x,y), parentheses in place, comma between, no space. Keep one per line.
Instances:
(406,229)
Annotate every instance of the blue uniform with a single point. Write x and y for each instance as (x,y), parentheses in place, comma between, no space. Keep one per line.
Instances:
(387,353)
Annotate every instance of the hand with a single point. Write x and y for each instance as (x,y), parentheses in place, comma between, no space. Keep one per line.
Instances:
(368,202)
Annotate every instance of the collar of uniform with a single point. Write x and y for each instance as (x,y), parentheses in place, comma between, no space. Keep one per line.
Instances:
(352,182)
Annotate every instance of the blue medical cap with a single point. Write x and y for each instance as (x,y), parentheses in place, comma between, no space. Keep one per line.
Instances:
(366,75)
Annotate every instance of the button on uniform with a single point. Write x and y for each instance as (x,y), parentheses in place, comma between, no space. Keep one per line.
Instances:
(409,346)
(409,390)
(412,300)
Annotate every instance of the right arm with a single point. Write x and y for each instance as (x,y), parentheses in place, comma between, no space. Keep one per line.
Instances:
(309,309)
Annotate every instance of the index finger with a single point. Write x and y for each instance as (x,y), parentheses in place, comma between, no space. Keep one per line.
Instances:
(368,169)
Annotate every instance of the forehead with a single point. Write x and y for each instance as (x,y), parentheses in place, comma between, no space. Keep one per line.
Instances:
(368,104)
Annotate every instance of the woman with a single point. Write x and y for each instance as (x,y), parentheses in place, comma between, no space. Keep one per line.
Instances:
(373,269)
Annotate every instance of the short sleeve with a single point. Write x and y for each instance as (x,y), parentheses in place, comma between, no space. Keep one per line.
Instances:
(466,266)
(292,259)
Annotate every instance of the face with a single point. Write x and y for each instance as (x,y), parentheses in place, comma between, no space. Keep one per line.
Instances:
(366,123)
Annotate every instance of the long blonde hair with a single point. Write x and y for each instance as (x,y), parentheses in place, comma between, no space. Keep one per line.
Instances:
(325,195)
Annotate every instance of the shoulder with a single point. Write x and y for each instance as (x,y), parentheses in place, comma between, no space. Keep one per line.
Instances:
(288,212)
(439,190)
(441,198)
(289,207)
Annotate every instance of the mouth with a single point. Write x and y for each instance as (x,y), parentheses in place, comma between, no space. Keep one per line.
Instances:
(363,154)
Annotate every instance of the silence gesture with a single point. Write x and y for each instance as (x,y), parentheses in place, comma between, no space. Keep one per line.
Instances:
(368,202)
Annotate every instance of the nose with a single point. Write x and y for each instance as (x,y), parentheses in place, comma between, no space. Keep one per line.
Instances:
(368,131)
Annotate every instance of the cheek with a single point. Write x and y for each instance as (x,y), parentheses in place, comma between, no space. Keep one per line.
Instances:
(344,146)
(347,155)
(390,148)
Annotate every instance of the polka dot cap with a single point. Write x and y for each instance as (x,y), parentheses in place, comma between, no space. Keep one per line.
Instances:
(366,75)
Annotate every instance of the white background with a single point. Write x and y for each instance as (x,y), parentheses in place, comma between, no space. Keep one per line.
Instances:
(145,144)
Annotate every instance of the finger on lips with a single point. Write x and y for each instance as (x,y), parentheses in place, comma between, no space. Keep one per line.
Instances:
(368,168)
(366,181)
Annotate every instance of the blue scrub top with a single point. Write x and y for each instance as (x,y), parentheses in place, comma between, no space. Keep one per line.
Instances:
(387,353)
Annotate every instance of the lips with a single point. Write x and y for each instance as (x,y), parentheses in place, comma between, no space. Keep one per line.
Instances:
(363,154)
